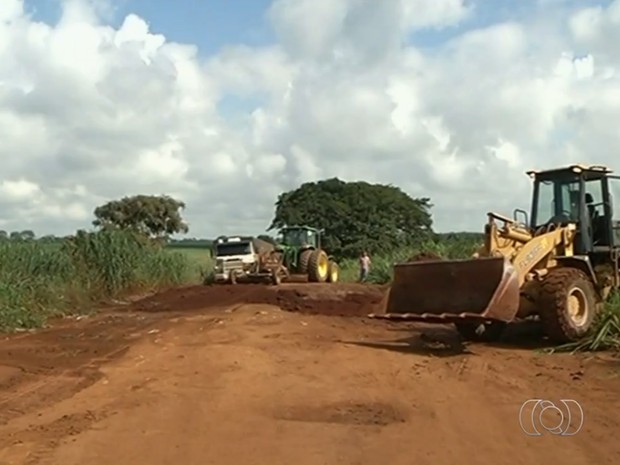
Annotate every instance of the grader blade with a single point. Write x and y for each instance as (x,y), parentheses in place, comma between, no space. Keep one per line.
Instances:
(477,290)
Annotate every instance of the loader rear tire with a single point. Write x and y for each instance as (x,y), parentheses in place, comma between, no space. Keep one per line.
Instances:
(482,332)
(568,304)
(318,266)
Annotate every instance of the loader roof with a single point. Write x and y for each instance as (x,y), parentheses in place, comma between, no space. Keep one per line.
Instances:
(576,168)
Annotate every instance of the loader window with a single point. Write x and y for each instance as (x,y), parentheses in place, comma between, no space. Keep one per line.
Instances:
(614,194)
(545,209)
(570,200)
(557,198)
(594,199)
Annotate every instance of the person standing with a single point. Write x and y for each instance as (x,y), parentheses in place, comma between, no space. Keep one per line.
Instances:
(365,263)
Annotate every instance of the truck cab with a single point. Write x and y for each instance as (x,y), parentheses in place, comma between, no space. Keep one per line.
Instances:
(233,255)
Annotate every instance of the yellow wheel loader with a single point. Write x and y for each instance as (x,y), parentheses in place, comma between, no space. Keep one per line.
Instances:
(559,265)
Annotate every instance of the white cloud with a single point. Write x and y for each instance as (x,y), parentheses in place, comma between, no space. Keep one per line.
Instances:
(89,113)
(19,190)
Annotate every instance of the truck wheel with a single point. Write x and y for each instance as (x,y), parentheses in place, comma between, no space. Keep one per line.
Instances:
(483,332)
(333,273)
(318,267)
(568,304)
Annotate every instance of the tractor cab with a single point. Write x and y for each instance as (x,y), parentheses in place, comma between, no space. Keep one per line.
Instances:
(300,237)
(583,195)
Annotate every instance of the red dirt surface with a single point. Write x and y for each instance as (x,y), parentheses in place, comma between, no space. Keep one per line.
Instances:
(221,375)
(325,299)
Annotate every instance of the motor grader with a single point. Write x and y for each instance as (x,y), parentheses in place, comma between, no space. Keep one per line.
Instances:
(559,265)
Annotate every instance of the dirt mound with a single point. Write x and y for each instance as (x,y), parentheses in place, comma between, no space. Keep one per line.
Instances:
(425,257)
(185,299)
(326,299)
(335,300)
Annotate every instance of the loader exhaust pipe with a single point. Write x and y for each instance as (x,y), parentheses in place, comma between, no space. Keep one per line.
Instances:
(481,289)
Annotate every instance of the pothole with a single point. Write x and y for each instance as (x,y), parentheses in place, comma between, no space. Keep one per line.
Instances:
(346,413)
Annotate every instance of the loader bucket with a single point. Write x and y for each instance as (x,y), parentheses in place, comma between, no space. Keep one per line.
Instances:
(482,289)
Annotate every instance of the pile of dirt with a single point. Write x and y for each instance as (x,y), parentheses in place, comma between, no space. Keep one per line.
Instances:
(325,299)
(353,302)
(424,257)
(185,299)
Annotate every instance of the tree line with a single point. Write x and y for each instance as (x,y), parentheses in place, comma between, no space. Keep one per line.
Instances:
(355,216)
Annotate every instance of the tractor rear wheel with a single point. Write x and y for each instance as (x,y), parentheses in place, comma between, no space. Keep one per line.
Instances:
(333,272)
(568,304)
(318,266)
(304,261)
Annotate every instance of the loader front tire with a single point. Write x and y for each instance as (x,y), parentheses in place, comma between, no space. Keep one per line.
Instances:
(568,304)
(318,266)
(482,332)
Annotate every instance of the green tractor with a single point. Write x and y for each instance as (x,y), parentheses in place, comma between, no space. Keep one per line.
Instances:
(302,254)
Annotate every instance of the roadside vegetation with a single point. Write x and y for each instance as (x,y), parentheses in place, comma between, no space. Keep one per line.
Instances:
(130,251)
(41,279)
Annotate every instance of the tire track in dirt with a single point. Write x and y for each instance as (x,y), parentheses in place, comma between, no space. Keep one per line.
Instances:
(56,363)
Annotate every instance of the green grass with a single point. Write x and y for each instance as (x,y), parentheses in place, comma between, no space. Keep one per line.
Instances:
(199,261)
(381,271)
(39,280)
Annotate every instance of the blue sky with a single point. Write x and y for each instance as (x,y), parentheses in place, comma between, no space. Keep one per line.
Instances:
(212,24)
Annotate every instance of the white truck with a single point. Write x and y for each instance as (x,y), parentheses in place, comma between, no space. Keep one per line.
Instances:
(239,257)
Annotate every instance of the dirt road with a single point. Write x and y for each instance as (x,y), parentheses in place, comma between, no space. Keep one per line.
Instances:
(222,376)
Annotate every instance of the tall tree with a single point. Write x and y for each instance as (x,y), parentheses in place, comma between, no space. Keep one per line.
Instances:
(156,216)
(356,215)
(27,235)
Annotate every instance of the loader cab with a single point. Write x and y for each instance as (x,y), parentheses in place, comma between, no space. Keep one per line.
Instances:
(583,195)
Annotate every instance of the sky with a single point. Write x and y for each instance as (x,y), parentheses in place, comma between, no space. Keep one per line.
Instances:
(224,104)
